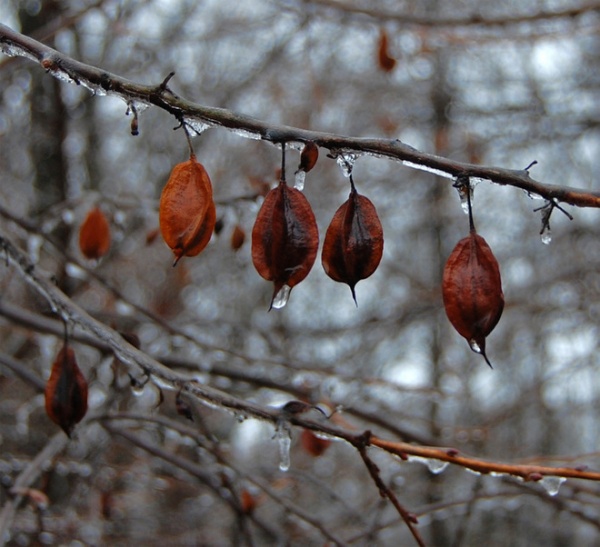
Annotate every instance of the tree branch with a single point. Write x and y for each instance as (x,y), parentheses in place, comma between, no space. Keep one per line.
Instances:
(102,83)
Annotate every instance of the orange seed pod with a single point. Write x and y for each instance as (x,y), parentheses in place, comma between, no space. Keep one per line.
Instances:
(94,235)
(187,213)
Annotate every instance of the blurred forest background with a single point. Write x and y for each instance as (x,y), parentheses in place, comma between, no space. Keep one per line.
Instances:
(495,83)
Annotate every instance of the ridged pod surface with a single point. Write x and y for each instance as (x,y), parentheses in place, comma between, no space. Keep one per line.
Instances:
(472,291)
(66,392)
(187,213)
(285,239)
(353,243)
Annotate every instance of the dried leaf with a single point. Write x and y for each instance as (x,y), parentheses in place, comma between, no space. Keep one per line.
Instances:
(472,291)
(353,243)
(386,61)
(285,240)
(187,213)
(66,391)
(248,502)
(94,235)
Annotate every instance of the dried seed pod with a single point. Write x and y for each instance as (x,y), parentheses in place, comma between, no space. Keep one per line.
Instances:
(66,391)
(285,239)
(472,291)
(314,445)
(94,235)
(353,243)
(308,157)
(187,213)
(238,236)
(386,61)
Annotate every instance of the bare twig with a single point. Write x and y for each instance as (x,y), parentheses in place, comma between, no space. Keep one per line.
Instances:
(67,68)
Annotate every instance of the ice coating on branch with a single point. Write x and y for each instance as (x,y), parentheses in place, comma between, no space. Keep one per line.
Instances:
(197,126)
(421,167)
(15,51)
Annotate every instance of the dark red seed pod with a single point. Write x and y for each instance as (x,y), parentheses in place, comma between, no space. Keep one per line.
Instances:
(308,157)
(285,240)
(94,235)
(353,244)
(472,291)
(66,392)
(187,213)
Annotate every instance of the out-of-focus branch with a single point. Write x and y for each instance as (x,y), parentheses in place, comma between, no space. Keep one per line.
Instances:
(27,477)
(136,95)
(477,19)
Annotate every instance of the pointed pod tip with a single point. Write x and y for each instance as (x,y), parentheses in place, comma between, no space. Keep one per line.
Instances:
(487,360)
(352,288)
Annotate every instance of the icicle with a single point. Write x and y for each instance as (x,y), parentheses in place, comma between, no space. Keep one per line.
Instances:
(284,441)
(346,162)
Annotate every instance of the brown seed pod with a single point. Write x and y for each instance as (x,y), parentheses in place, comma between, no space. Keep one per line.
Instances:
(472,289)
(238,236)
(187,213)
(314,445)
(285,239)
(353,243)
(94,235)
(308,157)
(386,61)
(66,391)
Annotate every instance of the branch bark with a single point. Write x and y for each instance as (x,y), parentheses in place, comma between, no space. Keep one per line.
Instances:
(137,95)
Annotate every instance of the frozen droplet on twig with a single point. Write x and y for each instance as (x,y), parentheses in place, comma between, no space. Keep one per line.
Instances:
(435,466)
(281,298)
(346,162)
(552,484)
(546,236)
(283,435)
(299,179)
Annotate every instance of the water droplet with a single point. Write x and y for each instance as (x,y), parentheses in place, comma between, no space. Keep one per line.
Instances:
(474,346)
(284,441)
(282,297)
(299,179)
(346,162)
(552,484)
(435,466)
(546,236)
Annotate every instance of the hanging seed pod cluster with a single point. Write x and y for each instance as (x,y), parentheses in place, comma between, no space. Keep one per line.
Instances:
(285,241)
(472,287)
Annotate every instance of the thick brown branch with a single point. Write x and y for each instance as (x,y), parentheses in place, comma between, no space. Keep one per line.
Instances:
(102,82)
